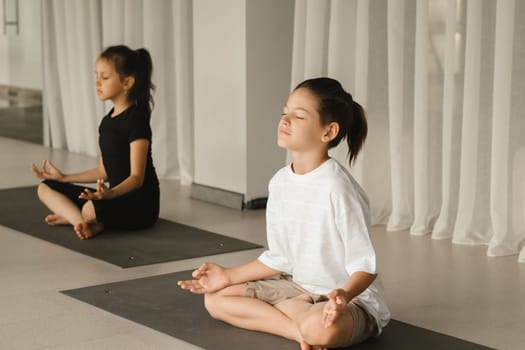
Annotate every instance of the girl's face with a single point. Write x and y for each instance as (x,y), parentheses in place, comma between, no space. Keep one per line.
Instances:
(108,82)
(300,128)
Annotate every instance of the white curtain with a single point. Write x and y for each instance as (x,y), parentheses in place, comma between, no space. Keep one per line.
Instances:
(442,83)
(74,34)
(71,43)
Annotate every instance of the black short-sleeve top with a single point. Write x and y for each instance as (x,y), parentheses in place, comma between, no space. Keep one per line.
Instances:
(115,135)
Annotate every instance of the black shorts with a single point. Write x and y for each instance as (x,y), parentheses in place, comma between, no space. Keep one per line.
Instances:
(135,210)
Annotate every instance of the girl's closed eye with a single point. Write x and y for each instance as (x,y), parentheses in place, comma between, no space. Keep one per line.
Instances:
(299,117)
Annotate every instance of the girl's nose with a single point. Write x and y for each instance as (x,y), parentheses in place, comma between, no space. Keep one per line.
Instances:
(285,120)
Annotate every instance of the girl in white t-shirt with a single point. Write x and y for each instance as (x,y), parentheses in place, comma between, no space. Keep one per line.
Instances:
(317,283)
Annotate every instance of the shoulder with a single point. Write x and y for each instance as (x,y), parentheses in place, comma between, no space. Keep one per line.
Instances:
(138,113)
(336,177)
(138,119)
(280,175)
(344,189)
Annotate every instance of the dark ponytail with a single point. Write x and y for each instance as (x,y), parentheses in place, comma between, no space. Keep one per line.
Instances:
(337,105)
(137,64)
(143,88)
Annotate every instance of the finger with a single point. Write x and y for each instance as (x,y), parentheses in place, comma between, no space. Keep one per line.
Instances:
(324,318)
(205,266)
(189,283)
(200,271)
(87,194)
(198,274)
(197,290)
(329,312)
(50,165)
(185,283)
(35,170)
(326,312)
(328,320)
(192,285)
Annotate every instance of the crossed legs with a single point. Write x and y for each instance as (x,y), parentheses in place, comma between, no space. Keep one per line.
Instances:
(296,318)
(64,211)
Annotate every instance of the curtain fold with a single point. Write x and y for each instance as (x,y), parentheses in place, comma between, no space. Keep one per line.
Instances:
(507,207)
(442,83)
(71,35)
(74,34)
(451,132)
(400,84)
(164,28)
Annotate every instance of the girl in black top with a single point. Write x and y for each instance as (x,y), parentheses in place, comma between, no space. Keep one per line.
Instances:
(131,198)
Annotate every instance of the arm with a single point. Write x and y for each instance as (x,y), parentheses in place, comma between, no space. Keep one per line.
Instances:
(210,278)
(357,284)
(138,158)
(251,271)
(48,171)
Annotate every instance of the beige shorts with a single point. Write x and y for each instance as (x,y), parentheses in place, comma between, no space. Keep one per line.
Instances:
(279,288)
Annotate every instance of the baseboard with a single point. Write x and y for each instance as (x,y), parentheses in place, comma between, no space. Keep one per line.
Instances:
(219,196)
(18,97)
(19,92)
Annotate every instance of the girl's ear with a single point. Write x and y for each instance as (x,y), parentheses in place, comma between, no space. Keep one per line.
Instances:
(129,82)
(331,132)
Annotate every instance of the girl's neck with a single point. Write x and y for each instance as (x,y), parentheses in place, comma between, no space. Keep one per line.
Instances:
(120,106)
(304,163)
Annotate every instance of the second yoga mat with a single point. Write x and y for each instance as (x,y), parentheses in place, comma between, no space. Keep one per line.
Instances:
(21,210)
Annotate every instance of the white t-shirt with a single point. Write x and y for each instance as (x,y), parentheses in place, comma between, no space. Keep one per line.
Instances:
(317,231)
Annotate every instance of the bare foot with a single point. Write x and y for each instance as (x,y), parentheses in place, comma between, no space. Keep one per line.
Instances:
(85,230)
(55,220)
(306,346)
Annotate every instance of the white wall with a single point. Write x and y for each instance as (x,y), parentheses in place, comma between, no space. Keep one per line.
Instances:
(242,67)
(269,59)
(220,94)
(21,55)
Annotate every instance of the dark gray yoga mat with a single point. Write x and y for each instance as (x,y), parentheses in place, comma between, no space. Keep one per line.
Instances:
(157,302)
(21,210)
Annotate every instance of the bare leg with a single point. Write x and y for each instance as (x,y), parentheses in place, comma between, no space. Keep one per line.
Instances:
(59,204)
(63,208)
(296,319)
(308,318)
(231,306)
(55,220)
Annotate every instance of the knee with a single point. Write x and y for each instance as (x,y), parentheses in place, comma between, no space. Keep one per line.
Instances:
(42,190)
(212,304)
(313,332)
